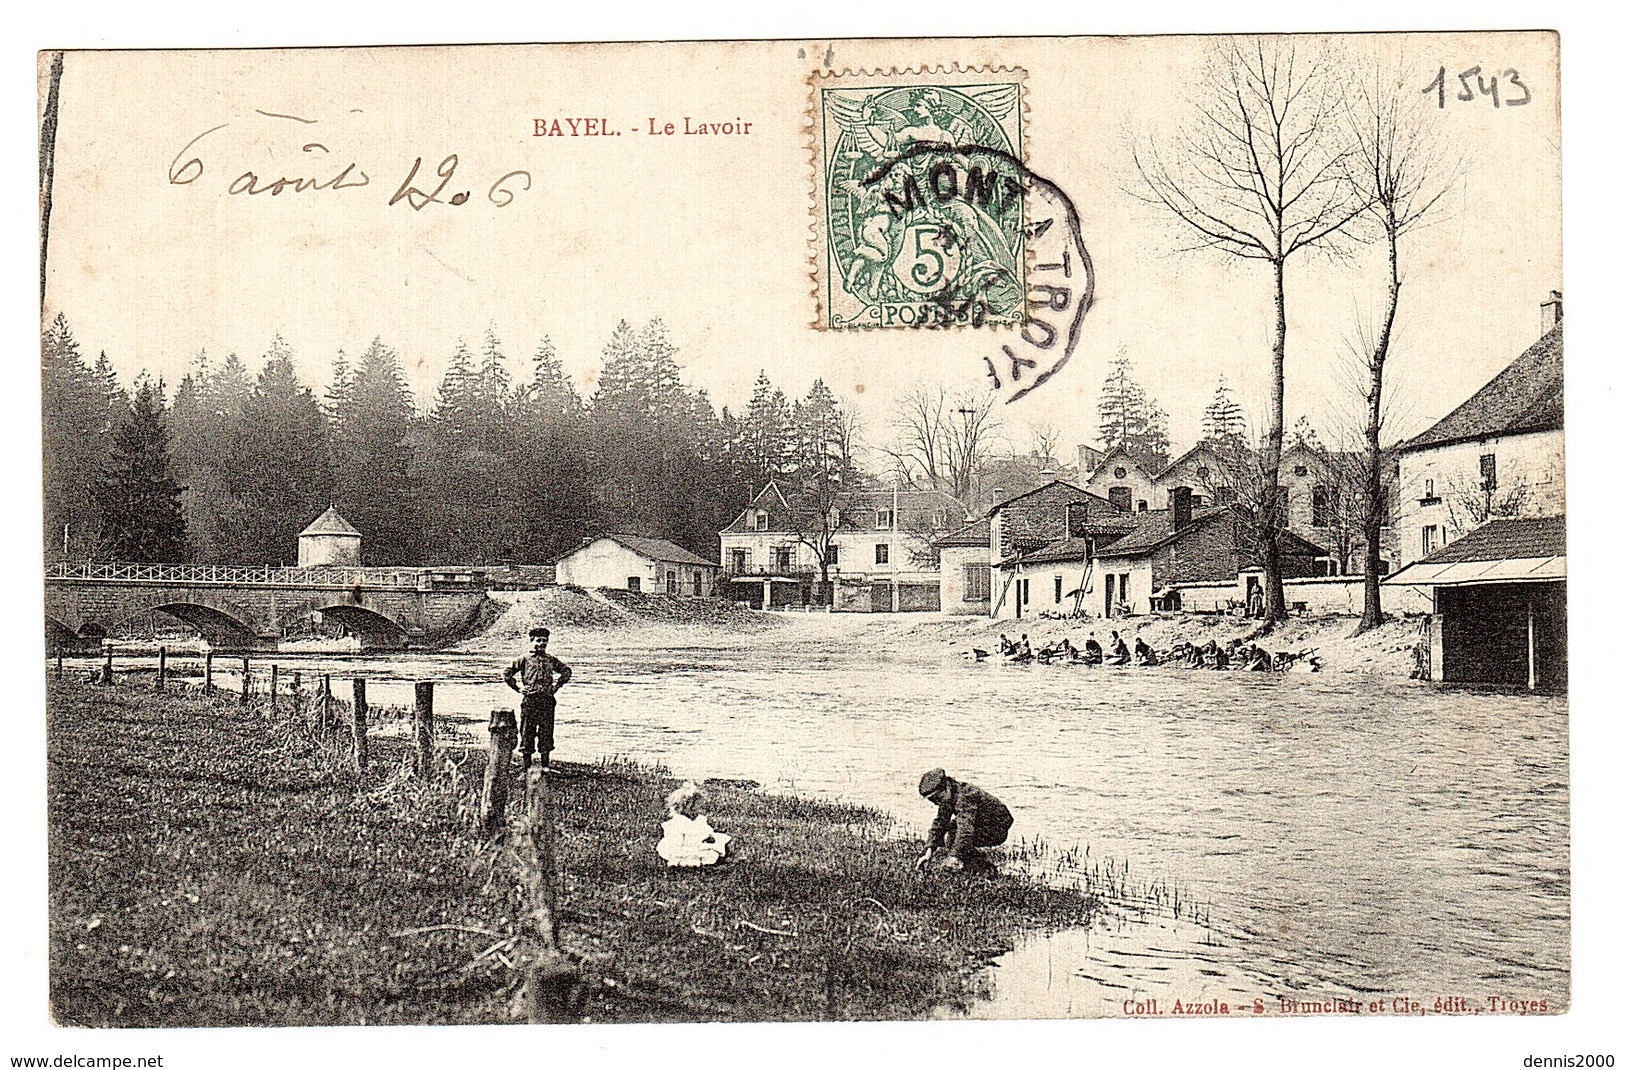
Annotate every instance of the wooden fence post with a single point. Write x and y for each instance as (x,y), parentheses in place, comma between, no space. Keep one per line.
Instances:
(296,685)
(273,689)
(550,976)
(107,668)
(59,663)
(208,672)
(163,667)
(358,723)
(494,799)
(324,712)
(423,715)
(244,699)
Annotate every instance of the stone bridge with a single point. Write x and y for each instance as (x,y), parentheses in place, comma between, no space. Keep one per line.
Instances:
(238,607)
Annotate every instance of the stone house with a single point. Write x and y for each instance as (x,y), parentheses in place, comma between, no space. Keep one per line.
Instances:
(877,543)
(1498,454)
(636,563)
(1122,479)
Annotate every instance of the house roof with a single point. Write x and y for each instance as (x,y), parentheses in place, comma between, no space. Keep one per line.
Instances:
(915,508)
(1046,486)
(655,549)
(330,523)
(1502,551)
(1154,530)
(1059,550)
(1501,540)
(1526,396)
(976,533)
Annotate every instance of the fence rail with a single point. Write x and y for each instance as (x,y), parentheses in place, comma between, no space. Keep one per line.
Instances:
(269,575)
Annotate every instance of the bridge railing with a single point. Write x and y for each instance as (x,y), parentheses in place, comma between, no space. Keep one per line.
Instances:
(265,575)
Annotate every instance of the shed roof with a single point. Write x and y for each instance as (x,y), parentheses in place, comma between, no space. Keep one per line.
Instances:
(1526,396)
(655,549)
(976,533)
(330,523)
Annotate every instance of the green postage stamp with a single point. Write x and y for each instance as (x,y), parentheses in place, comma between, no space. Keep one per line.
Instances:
(918,214)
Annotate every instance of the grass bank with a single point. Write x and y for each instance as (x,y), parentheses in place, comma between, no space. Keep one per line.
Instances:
(216,865)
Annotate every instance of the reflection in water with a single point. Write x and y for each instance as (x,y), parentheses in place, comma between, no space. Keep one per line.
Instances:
(1350,834)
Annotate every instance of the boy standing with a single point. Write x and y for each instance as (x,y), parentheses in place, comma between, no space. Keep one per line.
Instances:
(537,677)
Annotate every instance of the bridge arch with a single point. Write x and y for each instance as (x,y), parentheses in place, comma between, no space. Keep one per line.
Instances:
(376,631)
(217,627)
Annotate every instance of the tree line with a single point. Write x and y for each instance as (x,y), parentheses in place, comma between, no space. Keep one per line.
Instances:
(510,463)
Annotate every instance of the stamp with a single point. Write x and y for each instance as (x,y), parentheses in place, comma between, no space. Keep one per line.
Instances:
(918,214)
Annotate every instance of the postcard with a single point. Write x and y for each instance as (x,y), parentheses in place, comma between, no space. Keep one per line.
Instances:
(964,528)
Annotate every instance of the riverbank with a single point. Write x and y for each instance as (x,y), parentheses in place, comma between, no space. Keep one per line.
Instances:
(586,618)
(218,865)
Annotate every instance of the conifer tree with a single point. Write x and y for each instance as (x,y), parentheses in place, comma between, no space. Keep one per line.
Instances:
(141,506)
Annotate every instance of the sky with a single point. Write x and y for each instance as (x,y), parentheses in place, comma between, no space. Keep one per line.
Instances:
(153,259)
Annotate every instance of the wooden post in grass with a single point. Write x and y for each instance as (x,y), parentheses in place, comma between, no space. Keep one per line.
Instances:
(494,799)
(244,699)
(550,976)
(163,667)
(324,711)
(358,723)
(208,672)
(107,669)
(59,663)
(423,720)
(297,682)
(273,689)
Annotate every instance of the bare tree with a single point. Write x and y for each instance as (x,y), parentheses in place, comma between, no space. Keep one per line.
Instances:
(1471,502)
(942,439)
(1401,173)
(1259,175)
(1046,439)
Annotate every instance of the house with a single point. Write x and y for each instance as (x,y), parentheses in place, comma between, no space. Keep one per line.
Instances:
(1056,512)
(330,540)
(1168,553)
(876,546)
(1123,479)
(1323,503)
(1500,598)
(965,564)
(636,563)
(1498,454)
(1202,469)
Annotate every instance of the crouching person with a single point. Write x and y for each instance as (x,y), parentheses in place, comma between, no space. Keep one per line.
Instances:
(687,838)
(968,821)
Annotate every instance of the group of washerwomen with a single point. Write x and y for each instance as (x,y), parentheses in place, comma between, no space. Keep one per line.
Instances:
(968,820)
(1236,654)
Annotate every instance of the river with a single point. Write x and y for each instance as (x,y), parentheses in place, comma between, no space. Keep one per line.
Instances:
(1345,835)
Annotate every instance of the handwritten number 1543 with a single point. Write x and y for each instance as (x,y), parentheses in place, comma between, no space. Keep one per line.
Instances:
(1491,88)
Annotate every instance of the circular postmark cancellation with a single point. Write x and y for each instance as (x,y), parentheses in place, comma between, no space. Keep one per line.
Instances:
(988,241)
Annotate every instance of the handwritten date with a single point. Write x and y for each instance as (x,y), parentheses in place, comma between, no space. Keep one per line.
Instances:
(419,189)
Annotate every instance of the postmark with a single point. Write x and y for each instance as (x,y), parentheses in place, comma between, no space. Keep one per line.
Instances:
(1059,276)
(915,203)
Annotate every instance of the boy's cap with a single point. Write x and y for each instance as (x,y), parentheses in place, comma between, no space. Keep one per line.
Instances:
(932,780)
(539,633)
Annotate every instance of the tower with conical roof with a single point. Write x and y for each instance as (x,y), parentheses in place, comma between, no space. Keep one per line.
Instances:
(330,540)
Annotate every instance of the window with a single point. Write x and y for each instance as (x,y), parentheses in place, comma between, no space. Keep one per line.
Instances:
(978,583)
(671,581)
(738,560)
(1427,488)
(1224,495)
(882,553)
(1203,473)
(784,558)
(1057,590)
(1122,497)
(1300,469)
(832,556)
(634,583)
(759,521)
(1430,539)
(883,519)
(1142,505)
(1119,472)
(1323,505)
(1486,469)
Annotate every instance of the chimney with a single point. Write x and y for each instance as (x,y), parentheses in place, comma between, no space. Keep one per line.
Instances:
(1048,474)
(1179,506)
(1551,312)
